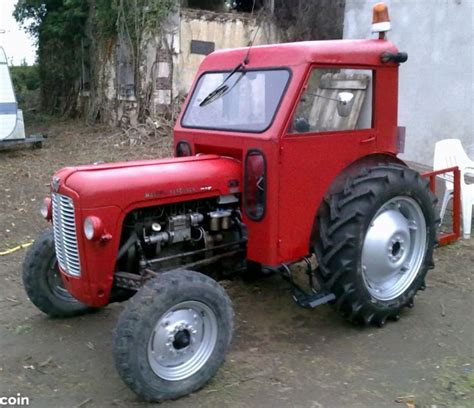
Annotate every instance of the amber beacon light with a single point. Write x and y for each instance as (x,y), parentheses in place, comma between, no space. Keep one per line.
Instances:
(380,20)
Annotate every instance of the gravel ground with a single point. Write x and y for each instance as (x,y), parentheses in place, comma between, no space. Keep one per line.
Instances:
(282,356)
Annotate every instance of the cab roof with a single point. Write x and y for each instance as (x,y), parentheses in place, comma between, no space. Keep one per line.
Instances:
(344,52)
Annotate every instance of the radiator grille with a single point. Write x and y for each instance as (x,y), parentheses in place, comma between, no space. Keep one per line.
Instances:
(65,238)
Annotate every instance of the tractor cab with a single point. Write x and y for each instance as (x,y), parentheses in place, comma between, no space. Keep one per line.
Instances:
(295,115)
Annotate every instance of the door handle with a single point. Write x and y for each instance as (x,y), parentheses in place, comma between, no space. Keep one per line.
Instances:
(369,139)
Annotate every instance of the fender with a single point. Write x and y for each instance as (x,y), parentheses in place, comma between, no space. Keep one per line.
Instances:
(355,167)
(338,183)
(111,191)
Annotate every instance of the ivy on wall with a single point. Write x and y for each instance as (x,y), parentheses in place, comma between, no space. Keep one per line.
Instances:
(136,19)
(300,20)
(57,26)
(70,33)
(62,27)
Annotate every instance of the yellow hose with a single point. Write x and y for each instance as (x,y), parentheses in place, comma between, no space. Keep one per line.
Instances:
(17,248)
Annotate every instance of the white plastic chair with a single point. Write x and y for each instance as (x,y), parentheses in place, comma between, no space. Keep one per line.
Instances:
(450,153)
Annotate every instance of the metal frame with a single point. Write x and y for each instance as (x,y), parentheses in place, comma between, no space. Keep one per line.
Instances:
(448,237)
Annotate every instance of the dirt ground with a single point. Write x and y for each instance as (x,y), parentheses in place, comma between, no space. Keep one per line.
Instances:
(282,355)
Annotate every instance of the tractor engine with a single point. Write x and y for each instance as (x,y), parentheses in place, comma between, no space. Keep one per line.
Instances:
(194,233)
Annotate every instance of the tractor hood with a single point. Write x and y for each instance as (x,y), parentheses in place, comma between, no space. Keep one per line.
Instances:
(139,183)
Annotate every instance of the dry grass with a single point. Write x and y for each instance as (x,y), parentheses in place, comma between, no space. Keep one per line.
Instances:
(25,173)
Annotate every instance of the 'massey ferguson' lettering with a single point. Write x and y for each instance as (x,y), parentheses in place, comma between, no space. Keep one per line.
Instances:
(174,191)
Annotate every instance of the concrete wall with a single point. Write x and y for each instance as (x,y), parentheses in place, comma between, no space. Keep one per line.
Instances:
(225,30)
(436,99)
(167,66)
(175,70)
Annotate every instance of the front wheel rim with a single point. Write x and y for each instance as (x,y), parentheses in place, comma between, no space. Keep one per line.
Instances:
(182,340)
(56,284)
(394,248)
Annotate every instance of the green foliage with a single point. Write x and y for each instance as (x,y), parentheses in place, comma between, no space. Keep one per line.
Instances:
(63,27)
(300,20)
(25,78)
(26,83)
(58,27)
(105,18)
(64,18)
(30,13)
(136,19)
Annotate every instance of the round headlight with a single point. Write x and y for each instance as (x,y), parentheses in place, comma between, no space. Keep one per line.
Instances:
(93,228)
(45,209)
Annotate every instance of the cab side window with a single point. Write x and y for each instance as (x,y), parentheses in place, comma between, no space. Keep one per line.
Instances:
(335,99)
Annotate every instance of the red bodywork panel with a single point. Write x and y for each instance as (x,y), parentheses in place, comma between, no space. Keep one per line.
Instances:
(111,191)
(300,168)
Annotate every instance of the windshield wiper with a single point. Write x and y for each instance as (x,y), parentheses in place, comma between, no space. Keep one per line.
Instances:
(222,89)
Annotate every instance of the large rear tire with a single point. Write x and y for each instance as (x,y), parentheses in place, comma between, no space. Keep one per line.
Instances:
(43,283)
(376,240)
(173,335)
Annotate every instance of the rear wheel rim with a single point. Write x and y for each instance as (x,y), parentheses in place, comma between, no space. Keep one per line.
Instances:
(182,340)
(394,248)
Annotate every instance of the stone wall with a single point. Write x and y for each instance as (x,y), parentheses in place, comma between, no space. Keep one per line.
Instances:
(170,60)
(225,30)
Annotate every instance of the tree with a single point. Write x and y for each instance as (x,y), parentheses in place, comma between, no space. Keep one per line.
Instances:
(58,28)
(301,20)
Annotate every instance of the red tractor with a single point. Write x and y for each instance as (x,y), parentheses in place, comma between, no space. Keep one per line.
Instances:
(282,152)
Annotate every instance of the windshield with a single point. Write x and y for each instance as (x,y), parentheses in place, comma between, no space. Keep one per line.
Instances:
(248,103)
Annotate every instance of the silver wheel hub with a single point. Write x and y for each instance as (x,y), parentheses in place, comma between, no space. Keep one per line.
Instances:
(394,248)
(182,340)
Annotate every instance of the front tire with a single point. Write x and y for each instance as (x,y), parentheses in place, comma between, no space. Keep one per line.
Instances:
(43,283)
(376,240)
(173,335)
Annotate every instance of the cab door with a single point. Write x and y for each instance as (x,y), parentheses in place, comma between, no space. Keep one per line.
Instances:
(332,125)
